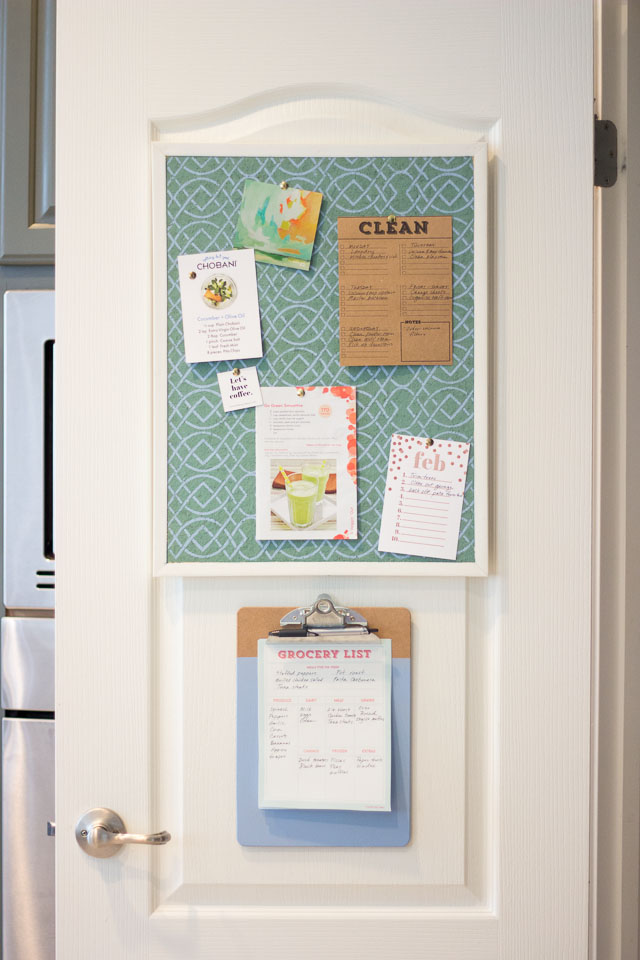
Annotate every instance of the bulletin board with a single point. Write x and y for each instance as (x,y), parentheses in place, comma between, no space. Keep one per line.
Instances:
(205,459)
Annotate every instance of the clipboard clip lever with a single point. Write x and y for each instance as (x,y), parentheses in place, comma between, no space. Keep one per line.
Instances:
(323,619)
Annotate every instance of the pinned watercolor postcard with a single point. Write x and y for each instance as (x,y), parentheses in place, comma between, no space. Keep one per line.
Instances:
(423,497)
(306,464)
(279,224)
(220,309)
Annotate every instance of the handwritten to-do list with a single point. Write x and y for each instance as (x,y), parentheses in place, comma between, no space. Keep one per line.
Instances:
(324,711)
(423,497)
(396,289)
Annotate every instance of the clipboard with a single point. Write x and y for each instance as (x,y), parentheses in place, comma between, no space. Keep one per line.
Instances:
(322,828)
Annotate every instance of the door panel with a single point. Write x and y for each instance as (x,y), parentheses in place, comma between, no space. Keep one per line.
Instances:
(436,853)
(498,861)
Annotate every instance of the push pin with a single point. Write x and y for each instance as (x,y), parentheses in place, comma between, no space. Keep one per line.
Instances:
(284,185)
(428,442)
(391,218)
(192,275)
(300,391)
(236,371)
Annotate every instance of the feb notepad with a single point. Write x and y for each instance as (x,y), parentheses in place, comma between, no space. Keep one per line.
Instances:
(423,497)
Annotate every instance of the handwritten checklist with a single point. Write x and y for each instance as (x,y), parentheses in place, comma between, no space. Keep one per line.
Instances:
(396,290)
(423,497)
(325,724)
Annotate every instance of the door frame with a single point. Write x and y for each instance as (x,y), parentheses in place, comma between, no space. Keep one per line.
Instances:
(615,845)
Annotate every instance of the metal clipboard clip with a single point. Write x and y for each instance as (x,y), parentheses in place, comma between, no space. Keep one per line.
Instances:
(323,620)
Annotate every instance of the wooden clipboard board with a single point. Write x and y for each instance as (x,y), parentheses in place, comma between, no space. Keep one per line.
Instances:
(392,622)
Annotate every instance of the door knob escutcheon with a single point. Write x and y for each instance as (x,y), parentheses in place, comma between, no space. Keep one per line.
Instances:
(100,832)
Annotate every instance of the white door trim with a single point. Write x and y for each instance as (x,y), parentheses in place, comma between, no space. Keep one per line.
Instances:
(615,853)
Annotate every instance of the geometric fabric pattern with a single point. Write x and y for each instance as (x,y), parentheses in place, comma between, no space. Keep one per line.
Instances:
(211,455)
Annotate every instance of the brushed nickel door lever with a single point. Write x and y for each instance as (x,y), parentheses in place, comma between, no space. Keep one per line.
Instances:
(100,832)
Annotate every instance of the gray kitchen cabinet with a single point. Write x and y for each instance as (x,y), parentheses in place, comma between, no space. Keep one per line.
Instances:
(27,121)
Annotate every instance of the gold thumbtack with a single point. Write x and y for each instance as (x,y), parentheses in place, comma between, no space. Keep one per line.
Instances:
(192,275)
(300,391)
(391,218)
(284,185)
(236,371)
(428,442)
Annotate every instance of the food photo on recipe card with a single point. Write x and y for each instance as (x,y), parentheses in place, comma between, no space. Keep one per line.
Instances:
(423,497)
(306,464)
(220,308)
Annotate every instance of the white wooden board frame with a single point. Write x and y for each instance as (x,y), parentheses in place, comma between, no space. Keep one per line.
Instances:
(477,568)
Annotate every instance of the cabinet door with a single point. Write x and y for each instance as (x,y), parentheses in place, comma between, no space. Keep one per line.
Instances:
(27,143)
(498,863)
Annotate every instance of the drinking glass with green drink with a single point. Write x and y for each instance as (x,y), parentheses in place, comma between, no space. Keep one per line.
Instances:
(312,471)
(302,496)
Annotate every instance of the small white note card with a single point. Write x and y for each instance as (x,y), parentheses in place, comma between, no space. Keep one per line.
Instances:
(423,497)
(240,390)
(220,309)
(324,714)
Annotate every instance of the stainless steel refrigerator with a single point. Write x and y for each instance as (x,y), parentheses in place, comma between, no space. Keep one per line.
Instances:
(27,654)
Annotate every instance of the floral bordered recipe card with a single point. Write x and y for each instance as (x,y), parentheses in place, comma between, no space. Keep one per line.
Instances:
(306,464)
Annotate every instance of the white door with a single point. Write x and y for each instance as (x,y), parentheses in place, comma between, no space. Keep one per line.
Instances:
(498,864)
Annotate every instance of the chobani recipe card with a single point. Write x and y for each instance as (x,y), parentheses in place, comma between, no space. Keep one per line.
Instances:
(220,309)
(306,464)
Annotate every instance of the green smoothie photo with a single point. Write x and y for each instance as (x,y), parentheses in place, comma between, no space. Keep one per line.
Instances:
(302,496)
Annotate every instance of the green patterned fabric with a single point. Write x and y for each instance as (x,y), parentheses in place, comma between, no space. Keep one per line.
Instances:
(211,455)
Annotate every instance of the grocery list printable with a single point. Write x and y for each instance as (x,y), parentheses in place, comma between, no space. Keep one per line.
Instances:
(324,714)
(423,497)
(306,464)
(220,309)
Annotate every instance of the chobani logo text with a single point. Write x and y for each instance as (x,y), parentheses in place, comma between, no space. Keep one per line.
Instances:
(216,264)
(380,228)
